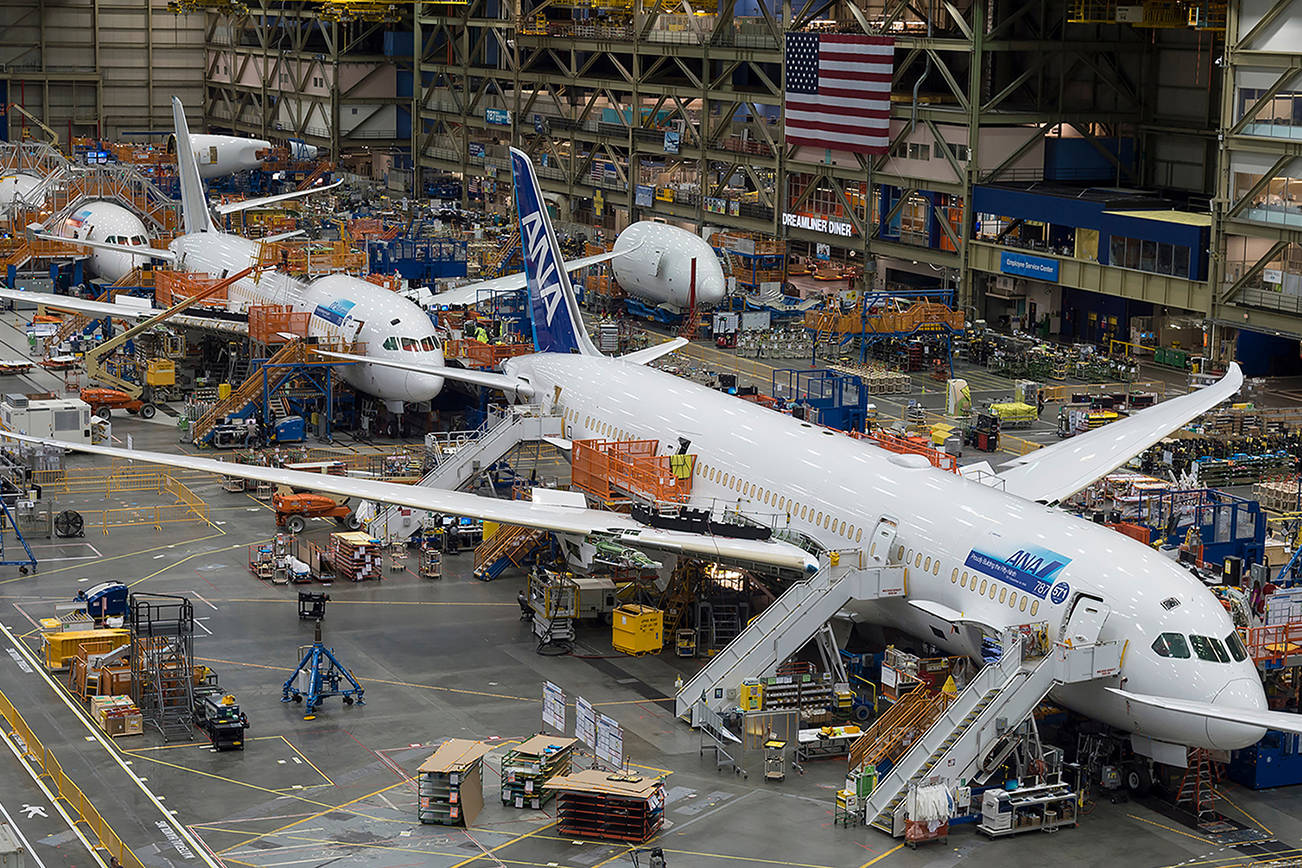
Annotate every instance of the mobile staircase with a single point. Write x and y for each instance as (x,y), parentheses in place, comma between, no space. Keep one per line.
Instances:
(265,377)
(1002,695)
(509,547)
(789,622)
(461,456)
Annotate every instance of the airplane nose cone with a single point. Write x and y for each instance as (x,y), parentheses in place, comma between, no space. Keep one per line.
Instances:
(422,387)
(1245,693)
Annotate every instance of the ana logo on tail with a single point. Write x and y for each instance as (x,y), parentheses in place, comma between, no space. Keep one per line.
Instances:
(536,248)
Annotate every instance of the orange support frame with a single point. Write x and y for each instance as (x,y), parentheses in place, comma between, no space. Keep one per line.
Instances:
(1274,643)
(170,287)
(908,446)
(611,469)
(268,323)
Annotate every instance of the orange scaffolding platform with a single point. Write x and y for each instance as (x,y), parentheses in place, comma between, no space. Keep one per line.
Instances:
(478,354)
(170,287)
(276,323)
(909,446)
(612,469)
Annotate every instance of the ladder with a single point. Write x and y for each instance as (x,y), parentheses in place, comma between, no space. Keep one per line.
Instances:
(725,625)
(784,627)
(1198,785)
(508,249)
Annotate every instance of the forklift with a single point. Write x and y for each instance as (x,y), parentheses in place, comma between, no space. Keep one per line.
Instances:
(983,433)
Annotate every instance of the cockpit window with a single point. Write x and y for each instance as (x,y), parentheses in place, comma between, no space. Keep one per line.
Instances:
(1171,645)
(390,343)
(1209,649)
(428,344)
(411,345)
(1235,644)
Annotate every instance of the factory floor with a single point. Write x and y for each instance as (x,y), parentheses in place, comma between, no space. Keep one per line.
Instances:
(438,658)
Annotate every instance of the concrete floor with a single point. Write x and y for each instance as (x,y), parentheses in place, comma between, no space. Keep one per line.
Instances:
(438,659)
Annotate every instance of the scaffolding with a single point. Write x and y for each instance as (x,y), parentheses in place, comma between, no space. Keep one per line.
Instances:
(615,469)
(162,662)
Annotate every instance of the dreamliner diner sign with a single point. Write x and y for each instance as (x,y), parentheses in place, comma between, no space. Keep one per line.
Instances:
(818,224)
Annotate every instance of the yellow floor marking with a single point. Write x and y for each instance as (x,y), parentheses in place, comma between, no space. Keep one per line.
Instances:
(361,677)
(487,854)
(187,558)
(876,859)
(1170,829)
(314,816)
(119,557)
(1238,808)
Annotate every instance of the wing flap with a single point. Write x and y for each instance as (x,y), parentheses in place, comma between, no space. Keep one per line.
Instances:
(1060,470)
(543,516)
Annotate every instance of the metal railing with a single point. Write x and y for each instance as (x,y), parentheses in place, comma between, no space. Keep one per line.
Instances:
(109,842)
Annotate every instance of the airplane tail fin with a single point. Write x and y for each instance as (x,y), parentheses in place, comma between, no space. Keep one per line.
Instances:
(557,324)
(194,202)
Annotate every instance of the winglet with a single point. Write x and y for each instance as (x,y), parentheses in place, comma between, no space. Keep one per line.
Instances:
(194,202)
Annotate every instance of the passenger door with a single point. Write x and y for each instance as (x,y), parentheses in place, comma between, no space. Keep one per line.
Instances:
(883,537)
(1085,621)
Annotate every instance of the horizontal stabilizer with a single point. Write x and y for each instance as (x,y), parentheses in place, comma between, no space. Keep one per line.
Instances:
(1058,471)
(150,252)
(476,378)
(1278,720)
(261,201)
(650,354)
(543,516)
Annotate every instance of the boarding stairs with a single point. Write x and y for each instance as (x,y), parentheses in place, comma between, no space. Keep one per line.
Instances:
(461,456)
(248,391)
(1001,695)
(787,625)
(507,548)
(892,734)
(509,247)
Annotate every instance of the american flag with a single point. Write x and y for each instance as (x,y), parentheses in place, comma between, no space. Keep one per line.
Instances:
(839,91)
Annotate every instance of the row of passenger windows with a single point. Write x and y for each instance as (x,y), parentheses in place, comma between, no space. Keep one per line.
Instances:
(1207,648)
(411,345)
(592,423)
(780,502)
(964,579)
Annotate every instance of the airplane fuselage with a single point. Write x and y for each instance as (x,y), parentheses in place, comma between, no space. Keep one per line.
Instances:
(1000,560)
(341,307)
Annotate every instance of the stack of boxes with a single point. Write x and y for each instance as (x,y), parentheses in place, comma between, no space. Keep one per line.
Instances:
(356,556)
(116,715)
(532,764)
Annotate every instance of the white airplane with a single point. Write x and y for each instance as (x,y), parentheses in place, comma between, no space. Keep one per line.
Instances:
(16,186)
(653,261)
(226,155)
(981,554)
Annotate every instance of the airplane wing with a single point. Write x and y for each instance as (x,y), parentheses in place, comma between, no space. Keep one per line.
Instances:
(1058,471)
(81,305)
(477,378)
(97,309)
(479,290)
(1278,720)
(151,252)
(650,354)
(246,204)
(543,516)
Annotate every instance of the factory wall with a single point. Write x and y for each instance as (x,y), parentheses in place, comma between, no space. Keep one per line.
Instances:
(143,54)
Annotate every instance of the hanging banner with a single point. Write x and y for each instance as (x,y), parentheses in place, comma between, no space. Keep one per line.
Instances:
(553,707)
